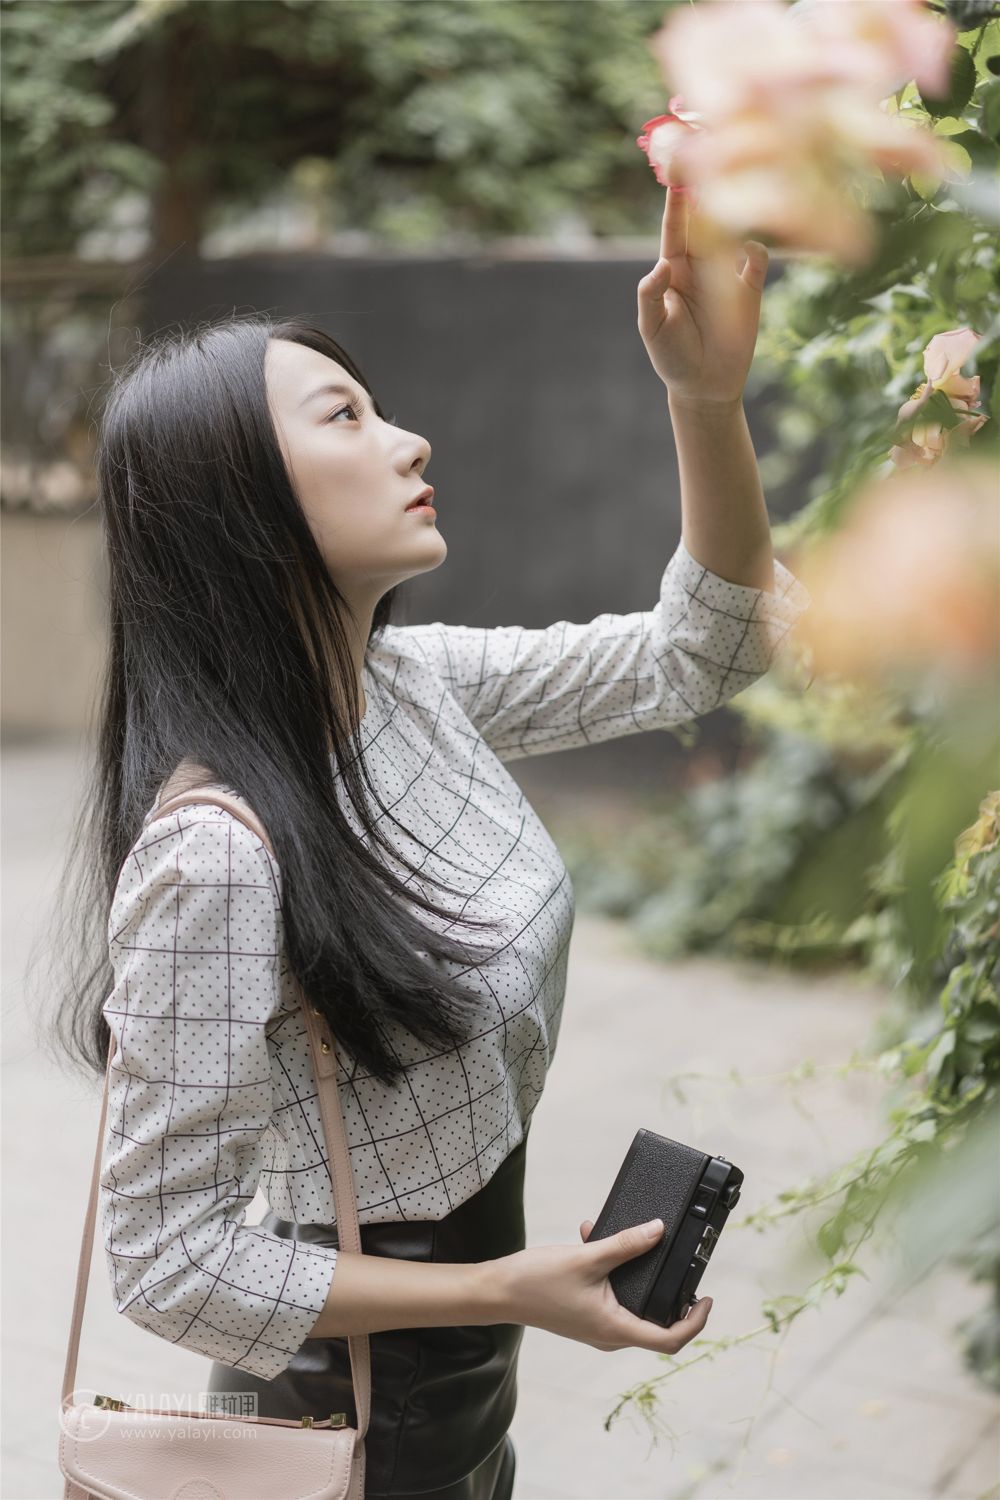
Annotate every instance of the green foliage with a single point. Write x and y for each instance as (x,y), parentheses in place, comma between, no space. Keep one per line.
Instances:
(827,846)
(837,843)
(796,834)
(58,125)
(411,121)
(844,348)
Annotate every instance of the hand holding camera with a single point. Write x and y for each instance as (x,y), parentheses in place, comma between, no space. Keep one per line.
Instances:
(565,1289)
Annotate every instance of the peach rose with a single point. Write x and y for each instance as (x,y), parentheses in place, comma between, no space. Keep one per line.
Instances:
(792,131)
(760,177)
(929,439)
(727,57)
(881,44)
(891,143)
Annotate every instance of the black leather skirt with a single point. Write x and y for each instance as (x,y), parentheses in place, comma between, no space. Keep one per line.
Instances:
(442,1398)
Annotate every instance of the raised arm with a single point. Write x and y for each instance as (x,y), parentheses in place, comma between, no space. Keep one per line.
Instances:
(532,691)
(725,603)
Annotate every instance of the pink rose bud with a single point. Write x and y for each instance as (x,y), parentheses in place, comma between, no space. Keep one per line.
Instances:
(664,138)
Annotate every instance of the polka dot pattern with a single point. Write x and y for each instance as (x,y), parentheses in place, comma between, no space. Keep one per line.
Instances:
(212,1092)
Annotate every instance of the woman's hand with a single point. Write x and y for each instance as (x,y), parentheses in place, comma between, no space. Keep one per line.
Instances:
(698,313)
(565,1289)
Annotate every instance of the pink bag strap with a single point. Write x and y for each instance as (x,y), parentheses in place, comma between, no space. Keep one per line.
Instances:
(324,1061)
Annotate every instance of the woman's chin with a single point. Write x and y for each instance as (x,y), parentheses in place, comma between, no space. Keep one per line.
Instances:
(428,551)
(434,542)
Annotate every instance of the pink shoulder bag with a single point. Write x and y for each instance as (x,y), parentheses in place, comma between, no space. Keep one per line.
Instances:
(110,1451)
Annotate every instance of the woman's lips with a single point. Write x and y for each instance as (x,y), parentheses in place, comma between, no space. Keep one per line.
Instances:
(424,500)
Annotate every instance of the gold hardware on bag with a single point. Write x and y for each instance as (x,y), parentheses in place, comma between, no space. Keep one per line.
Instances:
(306,1422)
(317,1011)
(338,1419)
(110,1403)
(324,1046)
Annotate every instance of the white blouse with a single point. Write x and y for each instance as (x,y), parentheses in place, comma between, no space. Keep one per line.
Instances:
(211,1092)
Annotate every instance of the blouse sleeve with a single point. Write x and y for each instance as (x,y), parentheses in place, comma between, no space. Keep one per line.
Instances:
(194,940)
(532,691)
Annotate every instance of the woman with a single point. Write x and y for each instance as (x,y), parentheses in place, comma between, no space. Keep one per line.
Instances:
(258,511)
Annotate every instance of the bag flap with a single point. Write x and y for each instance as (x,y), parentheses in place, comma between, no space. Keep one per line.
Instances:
(136,1455)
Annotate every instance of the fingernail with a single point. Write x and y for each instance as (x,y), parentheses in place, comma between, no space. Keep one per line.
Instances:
(655,1226)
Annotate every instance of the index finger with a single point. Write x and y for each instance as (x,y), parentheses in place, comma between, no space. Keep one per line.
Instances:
(674,228)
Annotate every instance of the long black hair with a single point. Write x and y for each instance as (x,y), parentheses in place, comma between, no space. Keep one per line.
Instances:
(227,646)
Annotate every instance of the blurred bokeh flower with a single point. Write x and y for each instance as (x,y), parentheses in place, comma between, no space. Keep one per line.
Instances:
(908,590)
(792,116)
(881,43)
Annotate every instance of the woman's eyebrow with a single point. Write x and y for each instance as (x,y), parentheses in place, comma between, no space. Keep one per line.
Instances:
(333,389)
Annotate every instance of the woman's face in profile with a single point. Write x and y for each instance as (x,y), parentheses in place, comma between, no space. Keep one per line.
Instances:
(353,472)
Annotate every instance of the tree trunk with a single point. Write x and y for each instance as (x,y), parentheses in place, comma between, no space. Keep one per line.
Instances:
(181,195)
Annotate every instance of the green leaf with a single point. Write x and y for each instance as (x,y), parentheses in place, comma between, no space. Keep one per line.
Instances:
(989,119)
(830,1235)
(942,1050)
(960,87)
(950,125)
(914,1061)
(940,408)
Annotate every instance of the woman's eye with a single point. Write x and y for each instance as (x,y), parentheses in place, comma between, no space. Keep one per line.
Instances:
(356,409)
(333,415)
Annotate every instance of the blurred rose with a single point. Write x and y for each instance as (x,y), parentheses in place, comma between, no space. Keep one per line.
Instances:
(790,119)
(760,175)
(897,146)
(791,173)
(728,57)
(911,584)
(929,439)
(882,44)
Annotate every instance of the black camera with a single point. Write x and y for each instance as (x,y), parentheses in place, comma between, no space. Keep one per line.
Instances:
(692,1192)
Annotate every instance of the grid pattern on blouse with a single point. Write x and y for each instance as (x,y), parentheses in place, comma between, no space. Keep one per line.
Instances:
(212,1091)
(532,691)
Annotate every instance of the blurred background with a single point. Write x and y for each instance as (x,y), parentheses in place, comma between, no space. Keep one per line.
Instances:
(792,903)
